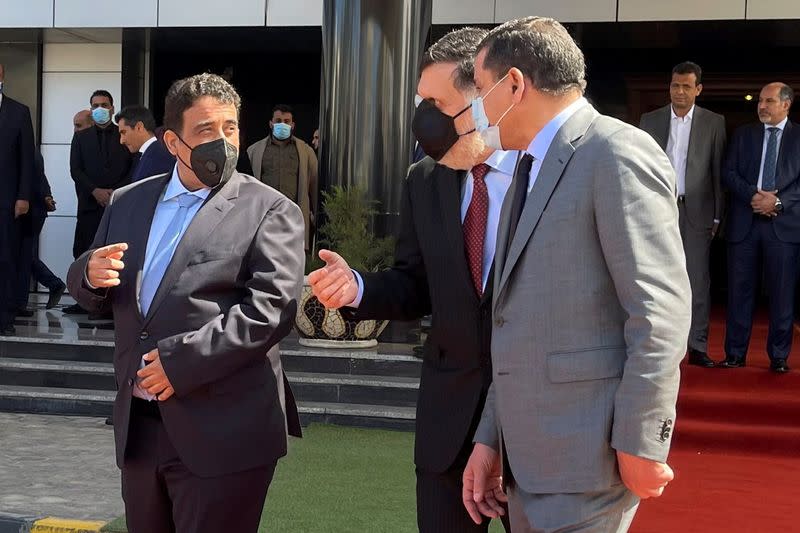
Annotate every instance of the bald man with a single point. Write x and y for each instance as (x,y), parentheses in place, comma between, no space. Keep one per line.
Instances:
(82,120)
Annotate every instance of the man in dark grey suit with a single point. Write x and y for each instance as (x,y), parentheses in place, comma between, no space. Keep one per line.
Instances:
(213,268)
(591,298)
(694,140)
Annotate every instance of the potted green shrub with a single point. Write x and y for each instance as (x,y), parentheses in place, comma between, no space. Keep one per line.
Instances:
(346,231)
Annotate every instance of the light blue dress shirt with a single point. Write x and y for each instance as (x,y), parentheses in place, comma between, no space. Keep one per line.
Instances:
(541,143)
(165,210)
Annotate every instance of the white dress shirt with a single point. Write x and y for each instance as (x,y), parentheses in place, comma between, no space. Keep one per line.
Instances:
(678,146)
(541,143)
(147,144)
(780,127)
(498,180)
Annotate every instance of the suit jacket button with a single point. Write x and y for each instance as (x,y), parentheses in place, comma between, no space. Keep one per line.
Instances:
(144,336)
(130,382)
(499,322)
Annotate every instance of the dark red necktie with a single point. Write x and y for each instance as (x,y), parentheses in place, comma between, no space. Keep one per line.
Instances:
(475,226)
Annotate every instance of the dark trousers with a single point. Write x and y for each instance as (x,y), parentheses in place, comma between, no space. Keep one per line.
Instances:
(761,248)
(697,248)
(162,496)
(85,229)
(29,263)
(440,508)
(9,236)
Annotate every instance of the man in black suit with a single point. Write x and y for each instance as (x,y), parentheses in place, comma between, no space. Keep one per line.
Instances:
(16,182)
(137,133)
(443,266)
(98,165)
(762,172)
(30,264)
(213,269)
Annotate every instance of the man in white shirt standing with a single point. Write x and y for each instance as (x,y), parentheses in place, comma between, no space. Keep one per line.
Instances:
(694,140)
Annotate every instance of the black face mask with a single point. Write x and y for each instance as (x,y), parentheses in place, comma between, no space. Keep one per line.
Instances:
(213,162)
(435,131)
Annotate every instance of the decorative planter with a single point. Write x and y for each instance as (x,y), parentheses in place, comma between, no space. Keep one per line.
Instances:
(327,328)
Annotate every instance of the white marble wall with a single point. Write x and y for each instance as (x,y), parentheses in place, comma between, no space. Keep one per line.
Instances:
(71,72)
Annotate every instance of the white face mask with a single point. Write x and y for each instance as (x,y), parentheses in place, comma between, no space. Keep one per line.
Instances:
(489,134)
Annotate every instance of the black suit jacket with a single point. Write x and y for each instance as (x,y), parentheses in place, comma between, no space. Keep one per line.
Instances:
(228,296)
(742,167)
(41,188)
(155,160)
(16,153)
(94,164)
(430,276)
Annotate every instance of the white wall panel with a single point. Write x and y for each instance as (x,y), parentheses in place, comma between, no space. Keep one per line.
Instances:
(66,93)
(83,57)
(562,10)
(26,13)
(294,12)
(106,13)
(773,9)
(211,12)
(463,11)
(56,167)
(636,10)
(55,244)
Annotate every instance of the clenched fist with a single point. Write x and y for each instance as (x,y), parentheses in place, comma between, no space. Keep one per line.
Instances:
(104,266)
(334,285)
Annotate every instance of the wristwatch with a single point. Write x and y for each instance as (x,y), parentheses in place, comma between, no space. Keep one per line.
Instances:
(778,205)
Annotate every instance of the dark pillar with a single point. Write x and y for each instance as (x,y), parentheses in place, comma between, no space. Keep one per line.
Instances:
(370,60)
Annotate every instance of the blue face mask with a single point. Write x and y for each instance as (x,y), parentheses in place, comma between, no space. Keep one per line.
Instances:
(281,131)
(101,115)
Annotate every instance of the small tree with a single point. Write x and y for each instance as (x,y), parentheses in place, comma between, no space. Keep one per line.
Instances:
(348,212)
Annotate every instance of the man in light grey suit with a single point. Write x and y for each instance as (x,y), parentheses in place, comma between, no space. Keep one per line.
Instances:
(694,140)
(591,304)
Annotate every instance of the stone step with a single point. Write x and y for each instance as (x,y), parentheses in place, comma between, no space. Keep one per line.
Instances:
(83,402)
(387,360)
(341,388)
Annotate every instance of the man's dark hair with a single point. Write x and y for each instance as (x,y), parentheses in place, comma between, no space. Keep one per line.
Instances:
(102,92)
(786,93)
(687,67)
(283,108)
(459,47)
(542,49)
(133,114)
(184,93)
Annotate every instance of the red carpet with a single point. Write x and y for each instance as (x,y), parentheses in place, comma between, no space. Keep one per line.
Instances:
(736,452)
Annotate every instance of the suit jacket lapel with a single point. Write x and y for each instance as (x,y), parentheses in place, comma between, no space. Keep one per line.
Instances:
(695,134)
(665,117)
(210,214)
(447,183)
(559,154)
(4,113)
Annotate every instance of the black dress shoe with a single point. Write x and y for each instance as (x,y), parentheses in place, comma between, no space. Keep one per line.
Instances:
(779,366)
(25,313)
(7,331)
(698,358)
(55,296)
(75,310)
(731,362)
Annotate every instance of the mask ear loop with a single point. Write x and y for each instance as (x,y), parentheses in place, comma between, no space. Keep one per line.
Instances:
(187,146)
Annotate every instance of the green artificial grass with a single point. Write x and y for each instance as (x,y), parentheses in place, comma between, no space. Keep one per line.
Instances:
(341,480)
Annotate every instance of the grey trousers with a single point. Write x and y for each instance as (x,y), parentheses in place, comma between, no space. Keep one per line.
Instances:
(697,247)
(609,511)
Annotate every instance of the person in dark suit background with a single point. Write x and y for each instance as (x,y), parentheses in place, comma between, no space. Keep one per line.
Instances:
(30,264)
(443,266)
(137,133)
(762,173)
(98,165)
(694,140)
(213,269)
(16,183)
